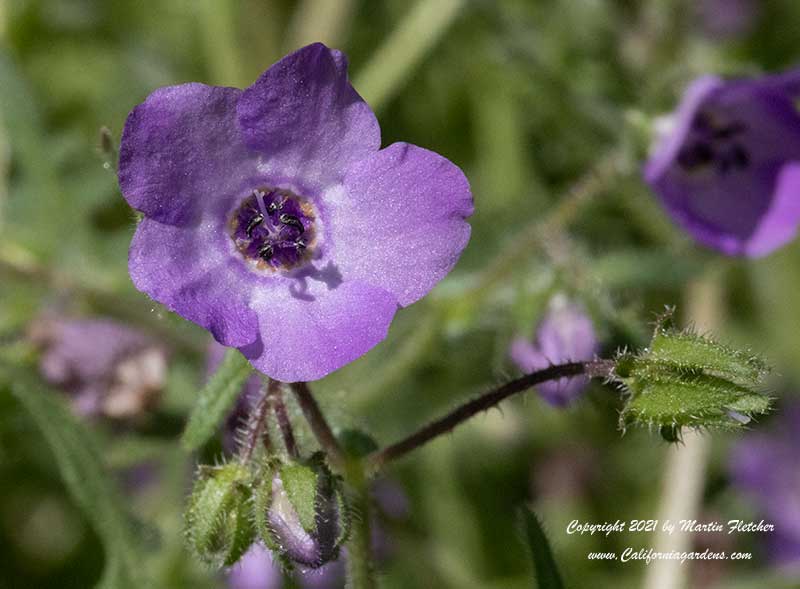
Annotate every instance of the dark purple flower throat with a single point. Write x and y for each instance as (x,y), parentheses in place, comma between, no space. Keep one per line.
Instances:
(274,229)
(715,141)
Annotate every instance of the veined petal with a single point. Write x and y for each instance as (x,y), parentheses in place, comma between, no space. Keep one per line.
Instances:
(306,118)
(399,220)
(181,150)
(307,334)
(190,272)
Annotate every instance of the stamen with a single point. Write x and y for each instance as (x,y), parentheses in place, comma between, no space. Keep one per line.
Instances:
(292,221)
(266,252)
(254,222)
(267,228)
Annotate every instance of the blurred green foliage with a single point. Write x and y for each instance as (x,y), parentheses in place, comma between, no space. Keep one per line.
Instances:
(528,98)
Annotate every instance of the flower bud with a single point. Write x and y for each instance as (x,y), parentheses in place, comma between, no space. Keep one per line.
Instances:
(301,514)
(218,519)
(685,379)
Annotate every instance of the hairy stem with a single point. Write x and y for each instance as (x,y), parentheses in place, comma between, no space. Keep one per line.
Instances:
(275,393)
(319,425)
(360,570)
(257,428)
(597,368)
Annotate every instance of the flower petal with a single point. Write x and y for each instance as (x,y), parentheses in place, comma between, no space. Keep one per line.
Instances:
(180,148)
(780,223)
(399,220)
(310,332)
(192,274)
(307,118)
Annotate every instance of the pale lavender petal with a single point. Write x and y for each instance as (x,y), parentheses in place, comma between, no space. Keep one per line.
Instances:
(329,576)
(304,115)
(181,150)
(306,334)
(255,570)
(190,271)
(399,223)
(780,223)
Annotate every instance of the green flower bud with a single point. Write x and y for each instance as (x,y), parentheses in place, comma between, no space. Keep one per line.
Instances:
(685,379)
(301,514)
(218,518)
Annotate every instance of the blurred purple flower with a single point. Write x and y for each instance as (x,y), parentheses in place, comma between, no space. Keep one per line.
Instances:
(110,369)
(273,219)
(391,505)
(328,576)
(566,334)
(255,570)
(727,18)
(766,466)
(728,170)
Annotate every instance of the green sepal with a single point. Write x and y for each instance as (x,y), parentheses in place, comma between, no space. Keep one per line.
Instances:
(308,486)
(687,380)
(218,518)
(690,352)
(301,483)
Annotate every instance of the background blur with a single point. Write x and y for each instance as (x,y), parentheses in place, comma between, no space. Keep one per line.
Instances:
(545,104)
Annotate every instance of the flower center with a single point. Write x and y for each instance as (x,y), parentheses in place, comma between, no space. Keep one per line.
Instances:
(714,142)
(274,229)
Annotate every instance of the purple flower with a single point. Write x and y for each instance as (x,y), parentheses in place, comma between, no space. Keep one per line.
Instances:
(273,219)
(566,334)
(255,570)
(766,466)
(728,171)
(109,368)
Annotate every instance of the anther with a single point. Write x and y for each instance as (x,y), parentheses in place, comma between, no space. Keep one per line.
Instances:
(292,221)
(266,252)
(254,222)
(300,245)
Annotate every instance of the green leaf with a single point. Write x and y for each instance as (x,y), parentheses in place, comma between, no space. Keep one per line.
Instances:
(216,399)
(544,564)
(81,468)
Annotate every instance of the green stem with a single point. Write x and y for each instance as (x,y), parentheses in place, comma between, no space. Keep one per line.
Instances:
(360,570)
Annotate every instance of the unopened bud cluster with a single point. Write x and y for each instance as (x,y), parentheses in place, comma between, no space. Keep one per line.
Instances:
(683,379)
(296,509)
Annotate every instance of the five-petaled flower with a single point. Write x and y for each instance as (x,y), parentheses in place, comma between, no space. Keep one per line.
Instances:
(273,218)
(728,171)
